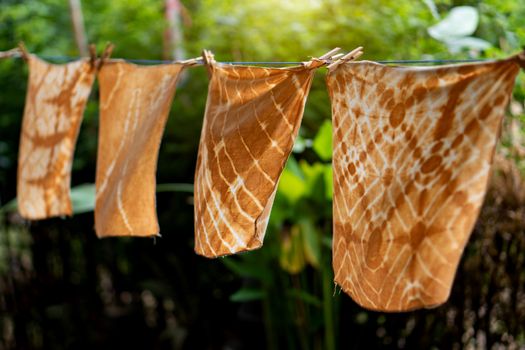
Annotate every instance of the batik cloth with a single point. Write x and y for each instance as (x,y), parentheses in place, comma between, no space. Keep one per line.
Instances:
(412,154)
(252,118)
(55,102)
(134,105)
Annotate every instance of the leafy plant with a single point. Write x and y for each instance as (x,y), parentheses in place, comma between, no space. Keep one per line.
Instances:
(456,28)
(83,197)
(296,258)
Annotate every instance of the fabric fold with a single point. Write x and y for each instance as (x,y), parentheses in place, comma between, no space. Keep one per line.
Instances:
(134,105)
(55,102)
(252,118)
(413,149)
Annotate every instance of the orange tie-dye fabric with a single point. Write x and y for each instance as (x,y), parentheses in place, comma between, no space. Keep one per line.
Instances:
(412,154)
(134,105)
(252,117)
(55,102)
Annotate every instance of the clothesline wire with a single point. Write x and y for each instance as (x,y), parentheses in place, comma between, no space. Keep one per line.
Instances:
(277,63)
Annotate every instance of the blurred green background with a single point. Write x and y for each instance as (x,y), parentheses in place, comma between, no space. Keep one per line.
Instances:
(61,287)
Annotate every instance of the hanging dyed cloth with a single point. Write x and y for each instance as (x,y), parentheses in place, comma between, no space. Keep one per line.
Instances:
(55,102)
(134,106)
(252,117)
(412,154)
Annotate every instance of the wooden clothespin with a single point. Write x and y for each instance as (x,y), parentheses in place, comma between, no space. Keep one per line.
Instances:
(325,59)
(209,60)
(352,55)
(23,51)
(191,61)
(330,54)
(208,57)
(106,54)
(93,55)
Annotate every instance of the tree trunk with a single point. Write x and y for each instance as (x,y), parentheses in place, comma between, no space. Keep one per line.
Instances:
(173,48)
(77,20)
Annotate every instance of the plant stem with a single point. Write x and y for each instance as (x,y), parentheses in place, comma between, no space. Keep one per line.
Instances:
(328,311)
(267,310)
(300,313)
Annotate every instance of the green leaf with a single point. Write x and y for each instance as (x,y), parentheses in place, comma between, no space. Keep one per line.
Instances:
(246,269)
(314,178)
(461,21)
(281,211)
(293,166)
(304,296)
(456,30)
(327,241)
(175,187)
(247,294)
(329,181)
(322,144)
(455,45)
(9,206)
(311,242)
(292,257)
(299,145)
(291,186)
(83,198)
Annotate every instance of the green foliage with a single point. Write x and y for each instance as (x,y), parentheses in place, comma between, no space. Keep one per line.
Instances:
(247,294)
(323,141)
(83,197)
(82,200)
(456,28)
(311,242)
(292,253)
(299,223)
